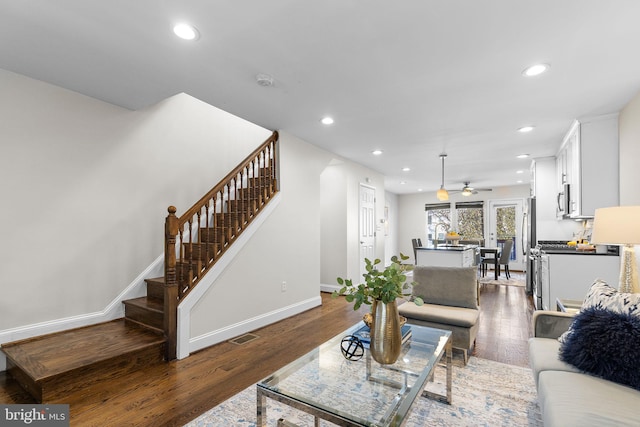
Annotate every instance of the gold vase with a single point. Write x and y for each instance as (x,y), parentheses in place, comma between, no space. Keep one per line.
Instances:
(386,337)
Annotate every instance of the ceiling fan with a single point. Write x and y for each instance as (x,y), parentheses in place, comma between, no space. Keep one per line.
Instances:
(468,191)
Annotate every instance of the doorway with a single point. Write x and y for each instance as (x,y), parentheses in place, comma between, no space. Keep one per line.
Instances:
(505,223)
(367,225)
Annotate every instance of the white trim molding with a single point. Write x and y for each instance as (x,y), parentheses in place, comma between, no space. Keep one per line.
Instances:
(184,344)
(231,331)
(115,310)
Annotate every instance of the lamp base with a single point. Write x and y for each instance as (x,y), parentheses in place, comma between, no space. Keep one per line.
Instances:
(629,271)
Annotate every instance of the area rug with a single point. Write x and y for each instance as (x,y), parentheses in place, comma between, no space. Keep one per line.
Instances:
(517,279)
(501,281)
(485,393)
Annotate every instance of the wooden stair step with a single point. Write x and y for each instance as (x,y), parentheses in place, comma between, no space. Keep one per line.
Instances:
(54,366)
(155,288)
(147,311)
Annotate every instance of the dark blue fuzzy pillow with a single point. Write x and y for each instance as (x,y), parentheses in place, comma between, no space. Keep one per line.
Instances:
(605,344)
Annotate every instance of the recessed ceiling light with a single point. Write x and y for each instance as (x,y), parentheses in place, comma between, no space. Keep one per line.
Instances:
(525,129)
(519,181)
(522,156)
(376,152)
(186,32)
(403,182)
(406,169)
(519,171)
(327,121)
(535,70)
(419,189)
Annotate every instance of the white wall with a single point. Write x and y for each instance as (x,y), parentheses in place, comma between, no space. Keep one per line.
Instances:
(285,249)
(86,186)
(629,134)
(340,246)
(391,238)
(412,219)
(629,137)
(85,189)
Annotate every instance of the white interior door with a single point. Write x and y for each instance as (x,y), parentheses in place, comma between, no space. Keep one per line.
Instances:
(367,225)
(505,221)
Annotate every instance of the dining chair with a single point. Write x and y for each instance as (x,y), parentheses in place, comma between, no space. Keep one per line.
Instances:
(416,243)
(488,257)
(504,257)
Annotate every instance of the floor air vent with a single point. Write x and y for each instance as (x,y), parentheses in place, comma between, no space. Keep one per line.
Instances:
(243,339)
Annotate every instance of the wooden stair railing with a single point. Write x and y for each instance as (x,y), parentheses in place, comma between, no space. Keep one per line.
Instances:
(198,238)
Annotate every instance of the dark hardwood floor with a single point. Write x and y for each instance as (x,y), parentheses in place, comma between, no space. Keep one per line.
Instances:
(174,393)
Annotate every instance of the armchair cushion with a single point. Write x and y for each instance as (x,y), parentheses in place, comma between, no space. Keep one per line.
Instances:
(449,286)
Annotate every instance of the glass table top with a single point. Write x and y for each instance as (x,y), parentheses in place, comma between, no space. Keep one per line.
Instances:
(363,392)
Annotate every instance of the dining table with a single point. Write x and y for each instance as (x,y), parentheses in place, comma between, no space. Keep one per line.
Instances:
(495,257)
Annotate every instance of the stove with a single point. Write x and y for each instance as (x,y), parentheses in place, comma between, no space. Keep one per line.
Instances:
(555,246)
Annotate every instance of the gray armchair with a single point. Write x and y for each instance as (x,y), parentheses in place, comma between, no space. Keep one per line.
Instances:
(450,297)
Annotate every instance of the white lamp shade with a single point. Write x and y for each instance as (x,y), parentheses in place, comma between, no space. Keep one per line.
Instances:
(618,225)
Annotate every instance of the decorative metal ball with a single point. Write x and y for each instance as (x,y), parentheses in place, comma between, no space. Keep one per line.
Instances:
(352,348)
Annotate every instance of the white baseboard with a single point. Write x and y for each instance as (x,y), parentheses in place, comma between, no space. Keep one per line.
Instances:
(137,288)
(240,328)
(184,348)
(114,310)
(329,288)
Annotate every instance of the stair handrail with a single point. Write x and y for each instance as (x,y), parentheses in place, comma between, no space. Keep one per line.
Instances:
(228,208)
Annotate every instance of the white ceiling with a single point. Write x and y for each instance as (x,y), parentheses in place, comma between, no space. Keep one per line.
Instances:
(413,78)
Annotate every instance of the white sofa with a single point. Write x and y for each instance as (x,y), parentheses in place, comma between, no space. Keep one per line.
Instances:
(568,397)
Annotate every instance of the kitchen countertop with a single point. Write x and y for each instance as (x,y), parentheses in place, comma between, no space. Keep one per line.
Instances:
(456,248)
(567,252)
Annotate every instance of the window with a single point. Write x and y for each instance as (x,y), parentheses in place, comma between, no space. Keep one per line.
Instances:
(468,218)
(438,216)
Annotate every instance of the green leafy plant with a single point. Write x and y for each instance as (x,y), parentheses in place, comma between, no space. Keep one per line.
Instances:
(382,285)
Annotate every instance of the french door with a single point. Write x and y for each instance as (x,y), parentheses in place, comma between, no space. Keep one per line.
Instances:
(505,223)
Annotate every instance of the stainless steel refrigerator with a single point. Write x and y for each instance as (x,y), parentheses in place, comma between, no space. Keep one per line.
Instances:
(529,242)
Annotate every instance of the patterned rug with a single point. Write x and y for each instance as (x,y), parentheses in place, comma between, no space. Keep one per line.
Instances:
(485,393)
(517,279)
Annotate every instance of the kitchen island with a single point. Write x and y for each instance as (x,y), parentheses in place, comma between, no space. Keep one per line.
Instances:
(447,255)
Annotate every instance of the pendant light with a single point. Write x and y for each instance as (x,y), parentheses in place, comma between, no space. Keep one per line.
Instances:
(442,193)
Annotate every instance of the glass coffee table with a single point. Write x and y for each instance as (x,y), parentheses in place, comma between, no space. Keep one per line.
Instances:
(363,392)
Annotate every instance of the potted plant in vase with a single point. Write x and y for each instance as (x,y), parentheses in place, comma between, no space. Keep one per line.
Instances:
(380,289)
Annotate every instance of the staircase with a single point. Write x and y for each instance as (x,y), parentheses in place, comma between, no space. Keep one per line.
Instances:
(54,366)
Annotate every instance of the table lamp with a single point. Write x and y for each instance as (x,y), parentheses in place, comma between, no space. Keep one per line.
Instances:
(620,225)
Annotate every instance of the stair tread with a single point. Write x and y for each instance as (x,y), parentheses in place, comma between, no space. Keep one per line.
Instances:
(55,354)
(147,302)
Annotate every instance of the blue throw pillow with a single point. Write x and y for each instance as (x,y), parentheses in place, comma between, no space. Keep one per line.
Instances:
(605,344)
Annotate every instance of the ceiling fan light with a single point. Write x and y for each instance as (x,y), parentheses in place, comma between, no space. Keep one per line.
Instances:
(466,192)
(442,194)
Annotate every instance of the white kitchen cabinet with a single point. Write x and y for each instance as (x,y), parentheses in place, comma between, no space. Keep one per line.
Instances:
(445,257)
(588,162)
(569,276)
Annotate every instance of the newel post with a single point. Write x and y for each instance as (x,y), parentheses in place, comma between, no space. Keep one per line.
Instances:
(170,284)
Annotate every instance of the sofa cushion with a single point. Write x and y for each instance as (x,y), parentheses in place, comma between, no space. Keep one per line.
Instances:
(451,286)
(543,356)
(601,295)
(606,344)
(435,313)
(569,399)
